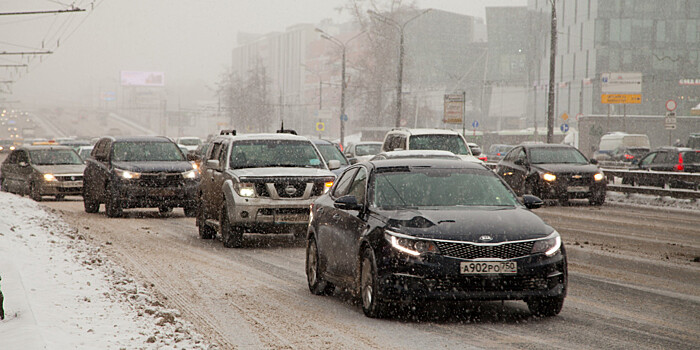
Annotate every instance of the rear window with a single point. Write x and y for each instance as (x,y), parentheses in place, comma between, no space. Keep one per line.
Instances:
(452,143)
(54,157)
(691,157)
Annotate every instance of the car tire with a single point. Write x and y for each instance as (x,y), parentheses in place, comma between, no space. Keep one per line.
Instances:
(597,198)
(205,231)
(60,197)
(90,204)
(34,192)
(3,187)
(231,236)
(113,206)
(372,305)
(545,306)
(165,209)
(190,211)
(317,285)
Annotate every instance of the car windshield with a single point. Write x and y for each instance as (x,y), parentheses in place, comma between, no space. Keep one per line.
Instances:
(146,151)
(452,143)
(274,153)
(432,187)
(368,150)
(556,155)
(330,152)
(190,142)
(54,157)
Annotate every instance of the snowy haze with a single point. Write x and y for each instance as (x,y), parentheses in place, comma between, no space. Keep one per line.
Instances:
(191,41)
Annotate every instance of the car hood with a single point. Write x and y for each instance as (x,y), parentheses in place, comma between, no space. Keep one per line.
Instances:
(469,158)
(155,167)
(60,169)
(566,168)
(282,172)
(502,224)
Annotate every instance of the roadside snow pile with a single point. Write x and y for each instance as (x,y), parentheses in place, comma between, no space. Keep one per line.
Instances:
(61,293)
(652,201)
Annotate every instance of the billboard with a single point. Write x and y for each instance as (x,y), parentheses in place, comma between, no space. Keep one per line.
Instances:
(454,108)
(138,78)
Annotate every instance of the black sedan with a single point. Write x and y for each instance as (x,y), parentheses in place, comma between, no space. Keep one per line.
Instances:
(553,171)
(412,230)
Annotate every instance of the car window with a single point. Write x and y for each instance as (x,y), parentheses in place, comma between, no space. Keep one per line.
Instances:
(215,150)
(521,155)
(12,158)
(367,150)
(222,154)
(343,184)
(433,187)
(691,157)
(54,157)
(145,151)
(359,185)
(661,157)
(441,142)
(22,157)
(330,152)
(648,159)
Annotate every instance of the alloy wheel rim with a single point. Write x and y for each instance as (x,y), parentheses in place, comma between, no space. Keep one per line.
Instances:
(311,265)
(366,284)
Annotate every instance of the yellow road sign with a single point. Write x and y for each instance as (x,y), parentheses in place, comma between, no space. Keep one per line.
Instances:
(564,116)
(621,98)
(320,126)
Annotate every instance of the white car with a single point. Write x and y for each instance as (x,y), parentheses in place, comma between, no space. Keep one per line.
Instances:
(190,142)
(404,139)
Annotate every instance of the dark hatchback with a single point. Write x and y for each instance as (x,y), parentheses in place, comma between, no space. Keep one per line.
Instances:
(671,159)
(412,230)
(553,171)
(139,172)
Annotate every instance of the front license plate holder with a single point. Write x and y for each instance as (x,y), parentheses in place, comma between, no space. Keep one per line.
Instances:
(488,267)
(283,218)
(162,192)
(577,189)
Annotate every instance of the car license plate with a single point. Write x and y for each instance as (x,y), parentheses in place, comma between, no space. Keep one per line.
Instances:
(488,267)
(73,184)
(161,192)
(578,189)
(292,218)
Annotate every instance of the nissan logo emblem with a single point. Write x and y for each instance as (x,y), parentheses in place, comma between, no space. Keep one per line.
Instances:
(485,238)
(290,190)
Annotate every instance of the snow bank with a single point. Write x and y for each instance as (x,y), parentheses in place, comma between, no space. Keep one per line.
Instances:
(61,293)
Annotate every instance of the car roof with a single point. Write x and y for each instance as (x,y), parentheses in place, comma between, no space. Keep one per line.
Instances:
(425,131)
(45,147)
(426,163)
(140,138)
(264,136)
(545,145)
(418,154)
(368,143)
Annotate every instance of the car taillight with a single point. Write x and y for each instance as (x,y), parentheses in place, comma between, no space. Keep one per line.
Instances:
(498,154)
(679,166)
(483,158)
(629,156)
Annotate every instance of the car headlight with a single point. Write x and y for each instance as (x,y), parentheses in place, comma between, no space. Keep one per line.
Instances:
(549,245)
(548,177)
(408,244)
(245,189)
(49,177)
(598,176)
(190,174)
(126,174)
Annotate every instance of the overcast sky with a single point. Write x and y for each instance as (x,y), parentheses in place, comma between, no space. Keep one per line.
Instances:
(189,40)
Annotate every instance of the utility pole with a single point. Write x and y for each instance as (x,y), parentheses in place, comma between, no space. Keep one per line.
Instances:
(400,27)
(343,84)
(552,65)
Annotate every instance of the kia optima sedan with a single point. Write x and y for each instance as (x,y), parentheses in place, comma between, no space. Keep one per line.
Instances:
(412,230)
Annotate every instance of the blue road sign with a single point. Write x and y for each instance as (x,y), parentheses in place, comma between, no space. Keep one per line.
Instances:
(475,124)
(344,117)
(564,127)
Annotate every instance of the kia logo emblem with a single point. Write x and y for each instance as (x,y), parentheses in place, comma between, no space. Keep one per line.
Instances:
(486,238)
(290,190)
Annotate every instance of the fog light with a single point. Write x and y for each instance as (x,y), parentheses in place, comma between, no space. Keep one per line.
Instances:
(244,214)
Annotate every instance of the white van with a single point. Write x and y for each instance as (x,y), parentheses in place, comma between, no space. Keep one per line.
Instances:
(615,140)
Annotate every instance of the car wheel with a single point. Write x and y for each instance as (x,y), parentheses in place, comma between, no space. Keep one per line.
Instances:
(60,196)
(190,211)
(231,236)
(34,192)
(316,283)
(597,198)
(165,209)
(205,231)
(91,204)
(113,206)
(545,306)
(372,305)
(3,186)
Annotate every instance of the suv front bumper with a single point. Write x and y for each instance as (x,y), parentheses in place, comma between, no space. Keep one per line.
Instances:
(133,195)
(270,215)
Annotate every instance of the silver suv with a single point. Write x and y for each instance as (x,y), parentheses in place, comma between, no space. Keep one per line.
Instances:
(262,183)
(428,139)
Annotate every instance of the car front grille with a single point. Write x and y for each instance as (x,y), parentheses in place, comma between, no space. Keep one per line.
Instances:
(291,189)
(573,179)
(69,177)
(283,186)
(474,251)
(156,180)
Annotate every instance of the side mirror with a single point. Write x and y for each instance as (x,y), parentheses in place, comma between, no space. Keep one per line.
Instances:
(212,164)
(352,160)
(333,164)
(594,161)
(532,202)
(347,203)
(23,164)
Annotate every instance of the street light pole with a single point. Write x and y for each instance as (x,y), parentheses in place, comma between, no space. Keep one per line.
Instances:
(343,84)
(400,27)
(552,66)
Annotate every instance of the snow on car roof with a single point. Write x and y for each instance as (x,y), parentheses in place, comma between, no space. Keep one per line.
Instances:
(270,136)
(418,153)
(429,131)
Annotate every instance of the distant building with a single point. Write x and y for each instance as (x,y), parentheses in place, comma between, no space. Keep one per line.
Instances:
(659,39)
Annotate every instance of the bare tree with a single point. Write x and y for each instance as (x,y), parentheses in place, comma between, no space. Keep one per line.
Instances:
(246,100)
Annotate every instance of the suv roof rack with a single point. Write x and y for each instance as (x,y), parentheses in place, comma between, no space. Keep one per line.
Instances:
(231,132)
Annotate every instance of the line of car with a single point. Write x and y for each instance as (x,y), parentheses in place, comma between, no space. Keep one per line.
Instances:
(422,220)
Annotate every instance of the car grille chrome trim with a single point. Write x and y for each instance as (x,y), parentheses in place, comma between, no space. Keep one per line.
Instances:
(507,250)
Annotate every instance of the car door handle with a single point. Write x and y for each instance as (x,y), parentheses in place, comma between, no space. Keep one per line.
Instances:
(319,209)
(336,216)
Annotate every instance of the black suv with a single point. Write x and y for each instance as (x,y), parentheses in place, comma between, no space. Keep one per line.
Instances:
(139,172)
